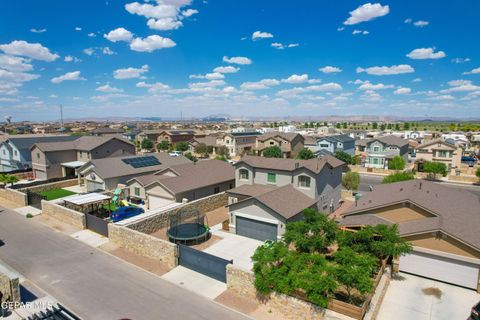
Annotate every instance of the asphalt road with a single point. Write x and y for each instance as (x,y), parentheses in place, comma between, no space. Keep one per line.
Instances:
(368,179)
(94,284)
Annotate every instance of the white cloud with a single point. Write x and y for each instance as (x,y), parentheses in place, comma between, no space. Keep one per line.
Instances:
(164,24)
(402,91)
(89,51)
(151,43)
(327,87)
(15,64)
(69,76)
(78,29)
(442,97)
(226,69)
(330,69)
(340,29)
(461,86)
(426,53)
(53,96)
(261,35)
(460,60)
(189,12)
(331,86)
(119,34)
(367,85)
(384,70)
(38,30)
(417,80)
(109,89)
(408,20)
(237,60)
(473,71)
(30,50)
(209,76)
(295,78)
(91,35)
(281,46)
(152,11)
(130,73)
(367,12)
(10,76)
(421,23)
(356,31)
(107,51)
(154,87)
(259,85)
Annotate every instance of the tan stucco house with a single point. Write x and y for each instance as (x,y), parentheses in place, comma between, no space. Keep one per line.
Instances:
(439,151)
(289,142)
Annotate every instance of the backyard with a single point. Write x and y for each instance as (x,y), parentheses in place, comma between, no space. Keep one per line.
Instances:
(56,194)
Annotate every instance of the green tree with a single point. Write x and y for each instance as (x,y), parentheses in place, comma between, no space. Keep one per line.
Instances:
(406,126)
(374,126)
(191,157)
(210,149)
(146,144)
(305,154)
(354,272)
(338,125)
(397,127)
(181,146)
(272,152)
(222,158)
(201,148)
(313,234)
(8,178)
(163,145)
(477,173)
(382,127)
(351,180)
(435,168)
(223,151)
(343,156)
(398,176)
(396,163)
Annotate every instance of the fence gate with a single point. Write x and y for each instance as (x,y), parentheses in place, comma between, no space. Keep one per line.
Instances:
(35,199)
(202,262)
(97,224)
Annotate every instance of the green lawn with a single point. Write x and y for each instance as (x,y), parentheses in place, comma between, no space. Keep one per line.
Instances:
(56,193)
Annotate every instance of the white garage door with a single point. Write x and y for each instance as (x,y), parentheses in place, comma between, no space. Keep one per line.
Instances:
(452,271)
(155,202)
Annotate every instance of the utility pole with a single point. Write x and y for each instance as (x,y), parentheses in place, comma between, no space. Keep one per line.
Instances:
(61,115)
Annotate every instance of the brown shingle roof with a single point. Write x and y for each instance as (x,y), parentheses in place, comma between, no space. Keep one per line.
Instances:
(457,211)
(315,165)
(391,140)
(85,143)
(289,136)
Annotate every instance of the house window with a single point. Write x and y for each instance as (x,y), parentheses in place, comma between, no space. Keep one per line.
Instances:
(272,143)
(38,155)
(137,191)
(375,161)
(15,152)
(323,145)
(376,149)
(442,154)
(243,174)
(304,182)
(216,190)
(271,178)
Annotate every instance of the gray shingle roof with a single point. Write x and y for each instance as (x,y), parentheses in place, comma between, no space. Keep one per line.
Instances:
(391,141)
(315,165)
(289,136)
(26,143)
(85,143)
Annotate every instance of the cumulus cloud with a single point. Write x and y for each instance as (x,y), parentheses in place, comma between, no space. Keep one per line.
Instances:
(89,51)
(208,76)
(237,60)
(78,29)
(421,23)
(426,53)
(15,64)
(461,86)
(69,76)
(295,78)
(226,69)
(30,50)
(130,72)
(385,70)
(367,85)
(153,87)
(164,24)
(473,71)
(364,32)
(151,43)
(261,35)
(10,76)
(367,12)
(91,35)
(189,12)
(402,90)
(281,46)
(259,85)
(109,89)
(330,69)
(119,34)
(460,60)
(38,30)
(152,11)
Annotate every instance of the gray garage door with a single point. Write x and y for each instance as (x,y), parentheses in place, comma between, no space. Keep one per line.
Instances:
(256,229)
(94,186)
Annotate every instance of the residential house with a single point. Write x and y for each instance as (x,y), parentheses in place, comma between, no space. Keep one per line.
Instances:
(107,132)
(441,223)
(459,138)
(15,153)
(176,136)
(238,143)
(61,159)
(380,150)
(182,183)
(151,135)
(209,140)
(108,173)
(287,129)
(326,130)
(270,192)
(289,142)
(439,151)
(333,144)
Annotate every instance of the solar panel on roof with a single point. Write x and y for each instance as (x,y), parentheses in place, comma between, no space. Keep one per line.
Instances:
(141,162)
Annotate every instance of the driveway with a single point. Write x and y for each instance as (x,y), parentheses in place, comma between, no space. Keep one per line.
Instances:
(234,247)
(95,285)
(412,297)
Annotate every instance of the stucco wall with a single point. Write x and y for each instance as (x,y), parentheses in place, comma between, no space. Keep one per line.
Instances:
(156,222)
(54,210)
(53,185)
(113,146)
(10,288)
(14,196)
(144,244)
(443,244)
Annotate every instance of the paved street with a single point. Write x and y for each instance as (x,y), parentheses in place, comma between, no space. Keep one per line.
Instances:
(92,283)
(368,179)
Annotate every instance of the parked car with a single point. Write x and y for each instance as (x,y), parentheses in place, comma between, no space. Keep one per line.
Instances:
(125,213)
(475,314)
(175,153)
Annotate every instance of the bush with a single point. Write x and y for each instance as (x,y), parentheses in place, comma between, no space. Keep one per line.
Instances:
(272,152)
(191,157)
(477,173)
(164,145)
(351,180)
(222,158)
(399,176)
(343,156)
(223,151)
(146,144)
(181,146)
(435,168)
(397,163)
(201,148)
(305,154)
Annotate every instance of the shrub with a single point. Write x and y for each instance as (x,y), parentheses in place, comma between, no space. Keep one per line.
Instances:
(305,154)
(181,146)
(343,156)
(272,152)
(397,163)
(223,151)
(146,144)
(351,180)
(163,145)
(191,157)
(201,148)
(477,173)
(435,168)
(399,176)
(222,158)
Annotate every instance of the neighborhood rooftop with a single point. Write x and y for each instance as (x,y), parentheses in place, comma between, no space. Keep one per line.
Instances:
(85,143)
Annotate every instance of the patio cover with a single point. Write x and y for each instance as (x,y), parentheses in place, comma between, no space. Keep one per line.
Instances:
(73,164)
(84,199)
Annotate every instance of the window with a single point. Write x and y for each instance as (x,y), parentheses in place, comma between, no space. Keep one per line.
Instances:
(442,153)
(375,161)
(376,149)
(272,143)
(38,155)
(324,145)
(216,190)
(137,191)
(243,174)
(304,182)
(15,152)
(271,178)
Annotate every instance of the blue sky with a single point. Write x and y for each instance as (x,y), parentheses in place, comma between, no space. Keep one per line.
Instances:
(241,58)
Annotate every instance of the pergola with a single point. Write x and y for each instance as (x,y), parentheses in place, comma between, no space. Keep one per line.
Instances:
(90,202)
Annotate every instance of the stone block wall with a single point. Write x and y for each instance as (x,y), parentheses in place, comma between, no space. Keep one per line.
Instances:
(52,185)
(144,244)
(59,212)
(10,288)
(154,223)
(14,196)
